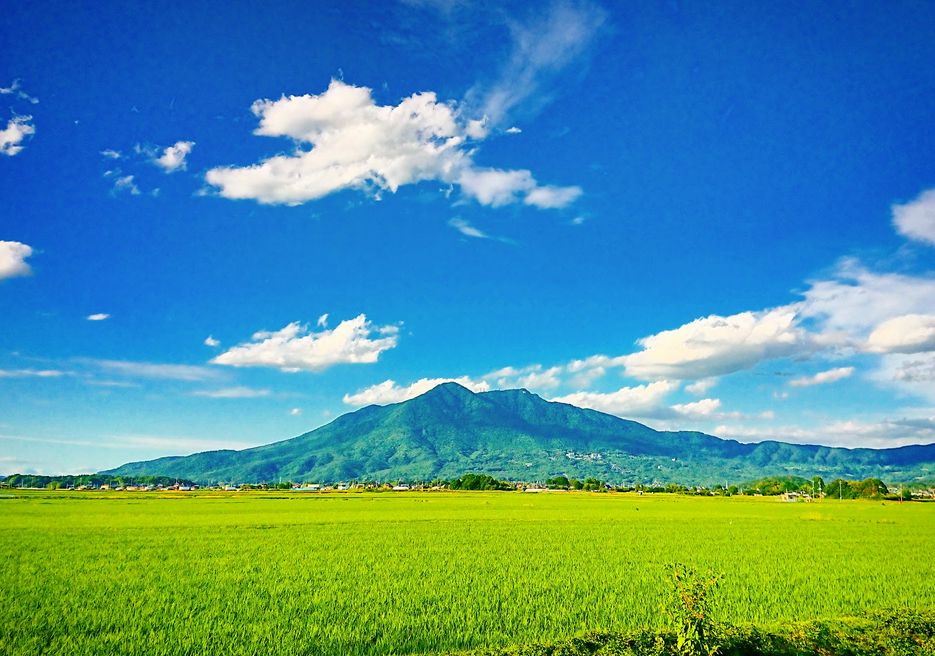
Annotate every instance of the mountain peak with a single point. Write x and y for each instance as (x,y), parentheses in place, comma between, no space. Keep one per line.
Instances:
(450,387)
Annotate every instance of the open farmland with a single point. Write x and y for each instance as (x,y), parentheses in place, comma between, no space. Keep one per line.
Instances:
(272,573)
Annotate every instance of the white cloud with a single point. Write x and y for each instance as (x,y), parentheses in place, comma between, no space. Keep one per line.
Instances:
(390,392)
(32,373)
(513,130)
(16,89)
(532,377)
(152,370)
(716,345)
(640,400)
(125,183)
(496,187)
(295,348)
(578,220)
(703,408)
(467,229)
(173,157)
(549,197)
(909,373)
(344,140)
(885,433)
(855,300)
(909,333)
(916,219)
(823,377)
(295,412)
(13,256)
(233,393)
(100,316)
(210,341)
(541,50)
(110,153)
(322,321)
(12,136)
(700,387)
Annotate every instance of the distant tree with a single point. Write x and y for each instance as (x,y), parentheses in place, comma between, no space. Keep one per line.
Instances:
(575,484)
(558,482)
(593,485)
(479,482)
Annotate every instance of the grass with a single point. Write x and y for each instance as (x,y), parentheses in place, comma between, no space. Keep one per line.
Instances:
(281,573)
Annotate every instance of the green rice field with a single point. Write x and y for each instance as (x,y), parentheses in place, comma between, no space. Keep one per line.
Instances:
(424,573)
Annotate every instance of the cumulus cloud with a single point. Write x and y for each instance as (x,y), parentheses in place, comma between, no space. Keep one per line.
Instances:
(909,333)
(716,345)
(855,300)
(13,135)
(533,377)
(13,256)
(233,393)
(823,377)
(173,158)
(639,400)
(703,408)
(916,219)
(390,392)
(344,140)
(700,387)
(296,348)
(100,316)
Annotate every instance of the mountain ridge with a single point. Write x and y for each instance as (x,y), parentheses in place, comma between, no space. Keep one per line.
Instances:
(516,434)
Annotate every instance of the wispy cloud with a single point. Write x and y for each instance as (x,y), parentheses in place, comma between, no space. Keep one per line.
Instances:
(168,445)
(233,393)
(151,370)
(32,373)
(823,377)
(467,229)
(16,89)
(542,48)
(100,316)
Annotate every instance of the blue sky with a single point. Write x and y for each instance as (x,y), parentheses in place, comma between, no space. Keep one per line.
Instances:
(224,226)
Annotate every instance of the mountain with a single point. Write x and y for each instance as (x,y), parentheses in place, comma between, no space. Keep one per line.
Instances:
(517,435)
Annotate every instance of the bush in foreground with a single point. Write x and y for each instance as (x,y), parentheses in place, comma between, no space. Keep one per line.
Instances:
(893,633)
